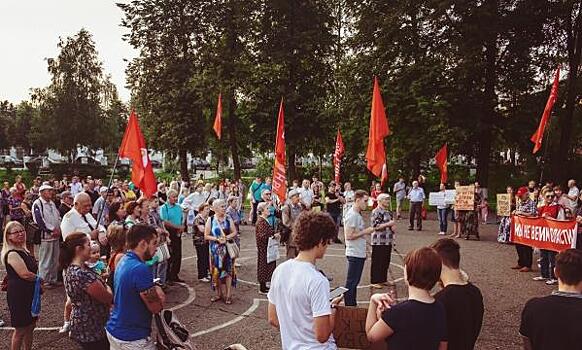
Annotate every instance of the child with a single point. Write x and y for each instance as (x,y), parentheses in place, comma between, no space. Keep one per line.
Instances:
(484,208)
(95,262)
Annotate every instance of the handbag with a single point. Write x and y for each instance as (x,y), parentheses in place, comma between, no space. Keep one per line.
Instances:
(163,252)
(272,250)
(232,248)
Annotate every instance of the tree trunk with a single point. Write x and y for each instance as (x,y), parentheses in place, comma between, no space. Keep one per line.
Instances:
(232,136)
(291,168)
(232,119)
(574,44)
(489,115)
(183,155)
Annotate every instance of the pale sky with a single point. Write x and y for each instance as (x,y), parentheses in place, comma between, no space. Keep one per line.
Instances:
(29,33)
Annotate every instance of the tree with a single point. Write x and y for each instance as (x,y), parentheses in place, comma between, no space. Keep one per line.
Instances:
(166,77)
(71,110)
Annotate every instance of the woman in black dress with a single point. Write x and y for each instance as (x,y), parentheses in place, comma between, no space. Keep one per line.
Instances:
(21,269)
(263,232)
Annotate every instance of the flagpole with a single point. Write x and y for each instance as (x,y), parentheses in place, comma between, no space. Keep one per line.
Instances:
(544,156)
(102,207)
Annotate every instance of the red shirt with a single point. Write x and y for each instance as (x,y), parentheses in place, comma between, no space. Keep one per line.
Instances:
(552,210)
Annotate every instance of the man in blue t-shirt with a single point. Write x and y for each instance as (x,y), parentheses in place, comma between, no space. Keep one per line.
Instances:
(256,190)
(136,297)
(172,216)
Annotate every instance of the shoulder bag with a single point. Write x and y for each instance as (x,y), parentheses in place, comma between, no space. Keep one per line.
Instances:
(231,247)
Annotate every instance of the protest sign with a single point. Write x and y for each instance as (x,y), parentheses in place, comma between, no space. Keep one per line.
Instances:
(548,234)
(436,198)
(465,198)
(450,196)
(503,204)
(350,328)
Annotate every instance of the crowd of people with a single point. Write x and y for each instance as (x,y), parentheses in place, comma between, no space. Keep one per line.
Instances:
(116,252)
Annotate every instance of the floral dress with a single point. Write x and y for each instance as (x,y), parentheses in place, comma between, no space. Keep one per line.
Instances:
(221,265)
(88,316)
(504,230)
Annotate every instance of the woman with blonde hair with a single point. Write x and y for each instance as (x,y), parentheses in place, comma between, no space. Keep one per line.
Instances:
(218,230)
(21,269)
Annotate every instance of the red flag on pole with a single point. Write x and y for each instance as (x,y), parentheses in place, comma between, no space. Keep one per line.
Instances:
(537,137)
(133,147)
(279,172)
(376,154)
(218,118)
(337,156)
(441,162)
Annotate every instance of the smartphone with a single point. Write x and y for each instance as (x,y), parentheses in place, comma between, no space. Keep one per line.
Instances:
(339,291)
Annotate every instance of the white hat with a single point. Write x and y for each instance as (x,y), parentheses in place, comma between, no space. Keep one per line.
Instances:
(103,189)
(293,193)
(45,187)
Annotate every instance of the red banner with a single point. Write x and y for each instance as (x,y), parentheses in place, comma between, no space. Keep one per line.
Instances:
(548,234)
(337,156)
(279,173)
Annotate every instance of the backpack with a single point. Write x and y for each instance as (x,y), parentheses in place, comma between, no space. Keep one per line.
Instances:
(171,333)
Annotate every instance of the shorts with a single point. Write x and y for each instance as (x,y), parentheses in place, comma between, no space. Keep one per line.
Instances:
(141,344)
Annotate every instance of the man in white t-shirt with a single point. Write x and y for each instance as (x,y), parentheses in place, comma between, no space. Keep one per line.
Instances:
(355,238)
(299,304)
(306,195)
(573,193)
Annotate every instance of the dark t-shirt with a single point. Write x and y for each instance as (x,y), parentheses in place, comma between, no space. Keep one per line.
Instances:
(416,325)
(553,322)
(464,309)
(333,208)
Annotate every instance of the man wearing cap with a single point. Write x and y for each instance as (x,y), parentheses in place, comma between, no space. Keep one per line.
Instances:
(102,204)
(79,219)
(382,237)
(289,214)
(528,208)
(47,218)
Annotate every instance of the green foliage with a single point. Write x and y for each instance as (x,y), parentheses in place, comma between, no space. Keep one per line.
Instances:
(80,97)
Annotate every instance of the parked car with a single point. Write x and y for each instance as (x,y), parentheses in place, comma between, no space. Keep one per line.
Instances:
(156,164)
(7,161)
(247,164)
(200,164)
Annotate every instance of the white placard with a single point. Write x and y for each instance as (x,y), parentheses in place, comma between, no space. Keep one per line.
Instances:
(450,196)
(436,198)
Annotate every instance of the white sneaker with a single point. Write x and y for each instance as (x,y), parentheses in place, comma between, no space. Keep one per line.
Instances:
(205,280)
(551,281)
(539,278)
(442,233)
(237,264)
(65,328)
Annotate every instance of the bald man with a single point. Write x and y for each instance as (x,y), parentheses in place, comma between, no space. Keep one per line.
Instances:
(79,219)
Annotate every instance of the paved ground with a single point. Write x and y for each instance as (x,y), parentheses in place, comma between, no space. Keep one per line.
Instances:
(214,326)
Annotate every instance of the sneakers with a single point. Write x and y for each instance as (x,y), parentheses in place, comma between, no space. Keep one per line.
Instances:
(442,233)
(205,279)
(65,328)
(539,278)
(237,264)
(551,281)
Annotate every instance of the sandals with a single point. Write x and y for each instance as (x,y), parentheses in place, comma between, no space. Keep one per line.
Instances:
(228,301)
(215,298)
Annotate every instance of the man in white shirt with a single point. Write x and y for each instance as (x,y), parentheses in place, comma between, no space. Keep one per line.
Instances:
(47,218)
(76,186)
(348,195)
(299,304)
(355,238)
(416,197)
(573,193)
(195,199)
(79,219)
(400,193)
(306,195)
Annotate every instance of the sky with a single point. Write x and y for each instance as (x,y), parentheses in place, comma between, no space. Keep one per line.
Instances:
(30,31)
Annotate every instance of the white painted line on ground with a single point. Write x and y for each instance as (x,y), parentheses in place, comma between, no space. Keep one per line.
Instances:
(36,329)
(191,297)
(237,319)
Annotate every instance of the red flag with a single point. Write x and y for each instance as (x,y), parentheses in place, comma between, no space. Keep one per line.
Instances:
(133,147)
(376,155)
(441,162)
(537,137)
(218,119)
(279,172)
(337,156)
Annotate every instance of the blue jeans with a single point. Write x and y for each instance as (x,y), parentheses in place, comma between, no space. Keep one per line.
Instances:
(160,271)
(443,219)
(547,263)
(355,269)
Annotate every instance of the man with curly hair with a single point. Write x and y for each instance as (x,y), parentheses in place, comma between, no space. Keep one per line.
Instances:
(299,296)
